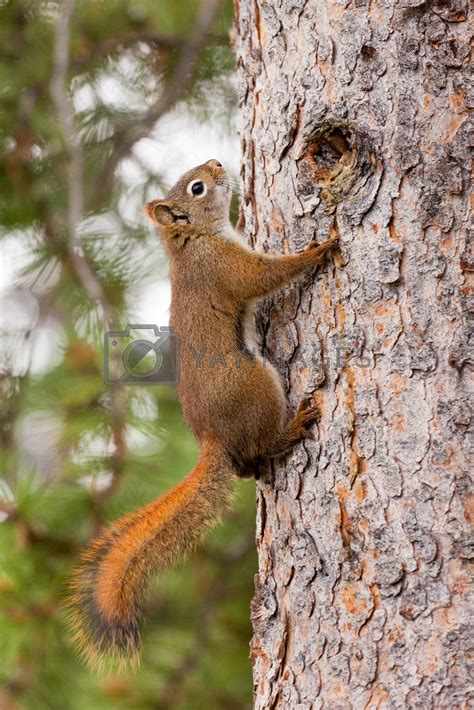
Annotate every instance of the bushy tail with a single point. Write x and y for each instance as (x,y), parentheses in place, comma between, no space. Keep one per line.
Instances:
(108,585)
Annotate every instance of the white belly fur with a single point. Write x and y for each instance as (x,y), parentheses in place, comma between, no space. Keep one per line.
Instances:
(250,339)
(249,320)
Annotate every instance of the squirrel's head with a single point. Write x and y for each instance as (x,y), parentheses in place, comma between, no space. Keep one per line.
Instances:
(197,204)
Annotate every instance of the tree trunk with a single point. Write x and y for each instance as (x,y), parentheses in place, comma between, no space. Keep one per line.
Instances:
(354,119)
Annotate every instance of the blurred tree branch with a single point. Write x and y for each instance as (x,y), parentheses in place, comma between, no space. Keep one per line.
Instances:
(79,263)
(132,39)
(75,167)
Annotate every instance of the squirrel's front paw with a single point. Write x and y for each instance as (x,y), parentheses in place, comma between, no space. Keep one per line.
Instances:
(318,250)
(323,246)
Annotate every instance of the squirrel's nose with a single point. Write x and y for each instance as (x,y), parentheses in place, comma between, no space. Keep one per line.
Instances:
(214,164)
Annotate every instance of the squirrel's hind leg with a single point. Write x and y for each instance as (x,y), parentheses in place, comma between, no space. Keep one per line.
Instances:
(249,469)
(297,429)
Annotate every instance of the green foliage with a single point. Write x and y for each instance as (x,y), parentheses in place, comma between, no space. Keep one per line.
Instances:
(74,455)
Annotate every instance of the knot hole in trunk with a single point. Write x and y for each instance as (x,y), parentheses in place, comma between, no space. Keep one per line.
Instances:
(336,158)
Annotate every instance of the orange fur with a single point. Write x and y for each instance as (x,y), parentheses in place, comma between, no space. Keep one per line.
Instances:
(108,585)
(112,595)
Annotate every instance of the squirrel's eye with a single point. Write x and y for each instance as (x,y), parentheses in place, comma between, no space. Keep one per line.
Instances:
(197,188)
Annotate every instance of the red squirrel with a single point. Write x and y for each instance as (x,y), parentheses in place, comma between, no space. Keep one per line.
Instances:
(235,407)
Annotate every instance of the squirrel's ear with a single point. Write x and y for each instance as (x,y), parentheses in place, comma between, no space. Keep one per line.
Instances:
(161,212)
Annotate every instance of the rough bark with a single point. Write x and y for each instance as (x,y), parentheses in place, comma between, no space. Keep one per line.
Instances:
(357,112)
